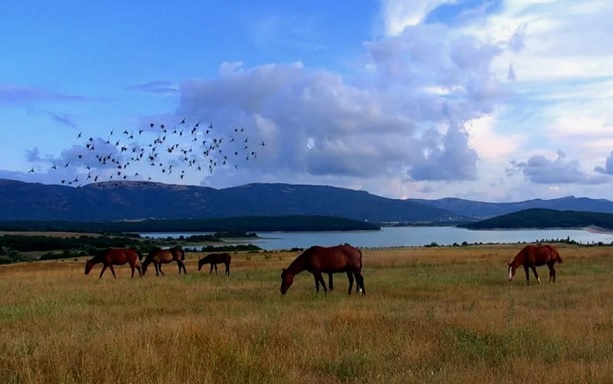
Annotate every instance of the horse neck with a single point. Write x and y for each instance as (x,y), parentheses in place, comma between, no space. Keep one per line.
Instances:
(98,258)
(298,265)
(148,259)
(518,260)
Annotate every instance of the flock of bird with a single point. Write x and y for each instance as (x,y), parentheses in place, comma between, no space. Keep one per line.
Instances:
(177,150)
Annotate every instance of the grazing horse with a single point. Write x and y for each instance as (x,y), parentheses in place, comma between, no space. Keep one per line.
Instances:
(532,256)
(115,256)
(214,259)
(161,256)
(318,260)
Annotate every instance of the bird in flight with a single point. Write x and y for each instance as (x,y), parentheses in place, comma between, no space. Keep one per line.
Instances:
(201,150)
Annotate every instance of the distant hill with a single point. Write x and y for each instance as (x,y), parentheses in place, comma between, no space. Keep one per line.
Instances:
(138,200)
(546,218)
(134,200)
(476,210)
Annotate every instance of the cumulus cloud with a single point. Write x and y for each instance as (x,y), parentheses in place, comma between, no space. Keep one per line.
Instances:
(541,170)
(402,115)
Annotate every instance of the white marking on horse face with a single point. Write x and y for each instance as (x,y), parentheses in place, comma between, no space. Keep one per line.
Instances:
(539,280)
(510,273)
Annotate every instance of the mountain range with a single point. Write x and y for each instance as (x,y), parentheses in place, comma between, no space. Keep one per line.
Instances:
(136,200)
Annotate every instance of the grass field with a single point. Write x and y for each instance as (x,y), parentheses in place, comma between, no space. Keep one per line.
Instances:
(431,315)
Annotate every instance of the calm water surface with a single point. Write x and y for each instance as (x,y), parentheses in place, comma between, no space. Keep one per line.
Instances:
(408,236)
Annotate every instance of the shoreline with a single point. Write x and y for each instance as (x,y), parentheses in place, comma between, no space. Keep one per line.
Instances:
(596,229)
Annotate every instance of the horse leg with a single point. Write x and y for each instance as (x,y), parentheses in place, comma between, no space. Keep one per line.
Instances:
(102,272)
(527,274)
(316,283)
(160,266)
(330,282)
(211,270)
(360,282)
(536,275)
(228,269)
(181,267)
(350,278)
(552,273)
(132,268)
(140,272)
(112,270)
(216,274)
(320,278)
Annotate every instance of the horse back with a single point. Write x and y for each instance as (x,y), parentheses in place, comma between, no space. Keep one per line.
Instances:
(536,255)
(120,255)
(338,258)
(160,255)
(216,258)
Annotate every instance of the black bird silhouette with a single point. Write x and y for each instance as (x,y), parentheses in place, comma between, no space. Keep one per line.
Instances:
(193,152)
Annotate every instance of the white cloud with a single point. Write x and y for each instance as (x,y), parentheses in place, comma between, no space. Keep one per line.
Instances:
(398,14)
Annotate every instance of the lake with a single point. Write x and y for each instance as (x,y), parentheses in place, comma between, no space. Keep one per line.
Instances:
(408,237)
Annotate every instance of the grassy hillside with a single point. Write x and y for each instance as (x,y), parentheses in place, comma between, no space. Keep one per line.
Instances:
(546,218)
(437,315)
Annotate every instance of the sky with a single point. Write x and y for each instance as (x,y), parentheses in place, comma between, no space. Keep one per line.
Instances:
(488,100)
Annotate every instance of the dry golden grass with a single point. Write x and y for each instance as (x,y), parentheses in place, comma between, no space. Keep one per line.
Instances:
(431,315)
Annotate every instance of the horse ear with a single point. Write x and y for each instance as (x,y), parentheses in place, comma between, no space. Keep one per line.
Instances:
(283,270)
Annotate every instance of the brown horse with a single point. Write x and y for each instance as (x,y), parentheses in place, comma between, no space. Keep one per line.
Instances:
(115,256)
(532,256)
(318,260)
(214,259)
(161,256)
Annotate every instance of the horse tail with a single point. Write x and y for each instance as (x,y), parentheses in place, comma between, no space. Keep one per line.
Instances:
(557,256)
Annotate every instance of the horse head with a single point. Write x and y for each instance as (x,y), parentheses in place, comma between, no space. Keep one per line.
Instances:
(287,280)
(88,267)
(511,271)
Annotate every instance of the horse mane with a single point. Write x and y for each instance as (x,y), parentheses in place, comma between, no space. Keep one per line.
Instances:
(297,265)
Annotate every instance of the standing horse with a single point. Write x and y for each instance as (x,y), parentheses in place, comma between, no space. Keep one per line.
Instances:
(318,260)
(161,256)
(214,259)
(115,256)
(532,256)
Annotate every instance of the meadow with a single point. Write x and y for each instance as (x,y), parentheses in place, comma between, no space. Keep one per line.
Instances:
(430,315)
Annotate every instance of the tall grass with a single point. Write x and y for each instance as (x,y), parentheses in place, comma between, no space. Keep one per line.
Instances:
(431,315)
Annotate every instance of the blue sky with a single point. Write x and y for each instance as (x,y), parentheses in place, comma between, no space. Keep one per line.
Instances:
(486,100)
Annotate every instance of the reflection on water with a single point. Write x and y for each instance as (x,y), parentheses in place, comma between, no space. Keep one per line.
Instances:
(408,236)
